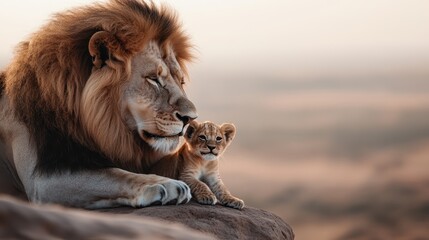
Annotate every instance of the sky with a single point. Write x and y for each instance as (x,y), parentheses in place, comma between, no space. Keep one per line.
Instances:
(276,31)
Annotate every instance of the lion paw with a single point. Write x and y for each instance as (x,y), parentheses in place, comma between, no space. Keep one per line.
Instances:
(169,192)
(206,198)
(233,202)
(178,192)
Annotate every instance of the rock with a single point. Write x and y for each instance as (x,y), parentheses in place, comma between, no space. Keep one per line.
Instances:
(21,220)
(223,222)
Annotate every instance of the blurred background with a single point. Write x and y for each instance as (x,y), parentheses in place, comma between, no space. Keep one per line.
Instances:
(330,99)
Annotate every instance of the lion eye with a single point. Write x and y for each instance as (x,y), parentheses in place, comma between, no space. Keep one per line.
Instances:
(202,138)
(154,80)
(218,139)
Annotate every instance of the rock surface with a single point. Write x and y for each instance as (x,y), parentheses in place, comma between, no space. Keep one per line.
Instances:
(21,220)
(222,222)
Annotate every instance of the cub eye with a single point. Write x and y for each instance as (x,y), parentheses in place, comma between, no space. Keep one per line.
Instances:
(218,139)
(154,80)
(202,138)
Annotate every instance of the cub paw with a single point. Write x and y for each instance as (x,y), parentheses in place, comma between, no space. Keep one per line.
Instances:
(233,202)
(206,198)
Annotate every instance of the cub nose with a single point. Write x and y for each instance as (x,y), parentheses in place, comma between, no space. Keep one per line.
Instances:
(211,148)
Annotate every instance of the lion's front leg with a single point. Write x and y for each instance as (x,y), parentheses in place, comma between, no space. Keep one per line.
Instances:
(109,188)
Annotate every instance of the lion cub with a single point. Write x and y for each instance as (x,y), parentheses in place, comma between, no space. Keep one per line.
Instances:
(196,163)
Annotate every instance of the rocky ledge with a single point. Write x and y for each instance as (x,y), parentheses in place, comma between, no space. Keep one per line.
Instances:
(219,221)
(21,220)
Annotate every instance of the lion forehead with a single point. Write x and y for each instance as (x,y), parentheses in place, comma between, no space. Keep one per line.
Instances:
(154,60)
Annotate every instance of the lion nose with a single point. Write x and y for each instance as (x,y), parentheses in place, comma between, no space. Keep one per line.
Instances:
(185,111)
(211,148)
(184,119)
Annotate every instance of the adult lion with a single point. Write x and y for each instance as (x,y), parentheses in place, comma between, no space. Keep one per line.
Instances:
(93,99)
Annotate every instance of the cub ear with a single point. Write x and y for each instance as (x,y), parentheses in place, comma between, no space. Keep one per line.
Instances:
(228,130)
(193,126)
(103,46)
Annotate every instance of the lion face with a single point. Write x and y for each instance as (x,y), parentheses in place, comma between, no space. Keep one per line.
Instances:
(208,140)
(155,103)
(135,94)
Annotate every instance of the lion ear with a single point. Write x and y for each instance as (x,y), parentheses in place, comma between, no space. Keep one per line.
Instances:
(192,128)
(228,130)
(102,47)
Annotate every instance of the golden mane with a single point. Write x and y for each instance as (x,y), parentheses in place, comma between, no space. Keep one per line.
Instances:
(2,78)
(52,88)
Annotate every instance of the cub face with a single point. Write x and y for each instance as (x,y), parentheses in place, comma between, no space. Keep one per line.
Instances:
(209,140)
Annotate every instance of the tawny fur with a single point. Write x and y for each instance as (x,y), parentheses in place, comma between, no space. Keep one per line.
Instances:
(51,69)
(201,173)
(66,99)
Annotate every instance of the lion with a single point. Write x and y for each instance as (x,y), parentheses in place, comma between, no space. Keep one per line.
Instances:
(92,100)
(197,163)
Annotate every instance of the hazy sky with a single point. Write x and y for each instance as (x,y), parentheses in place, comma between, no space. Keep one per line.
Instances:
(254,31)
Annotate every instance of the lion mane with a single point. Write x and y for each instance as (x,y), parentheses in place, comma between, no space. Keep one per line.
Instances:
(71,111)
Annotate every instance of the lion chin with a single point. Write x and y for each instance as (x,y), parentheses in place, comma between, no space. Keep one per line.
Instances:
(162,144)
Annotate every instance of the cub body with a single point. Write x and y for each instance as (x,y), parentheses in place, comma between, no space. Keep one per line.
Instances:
(197,163)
